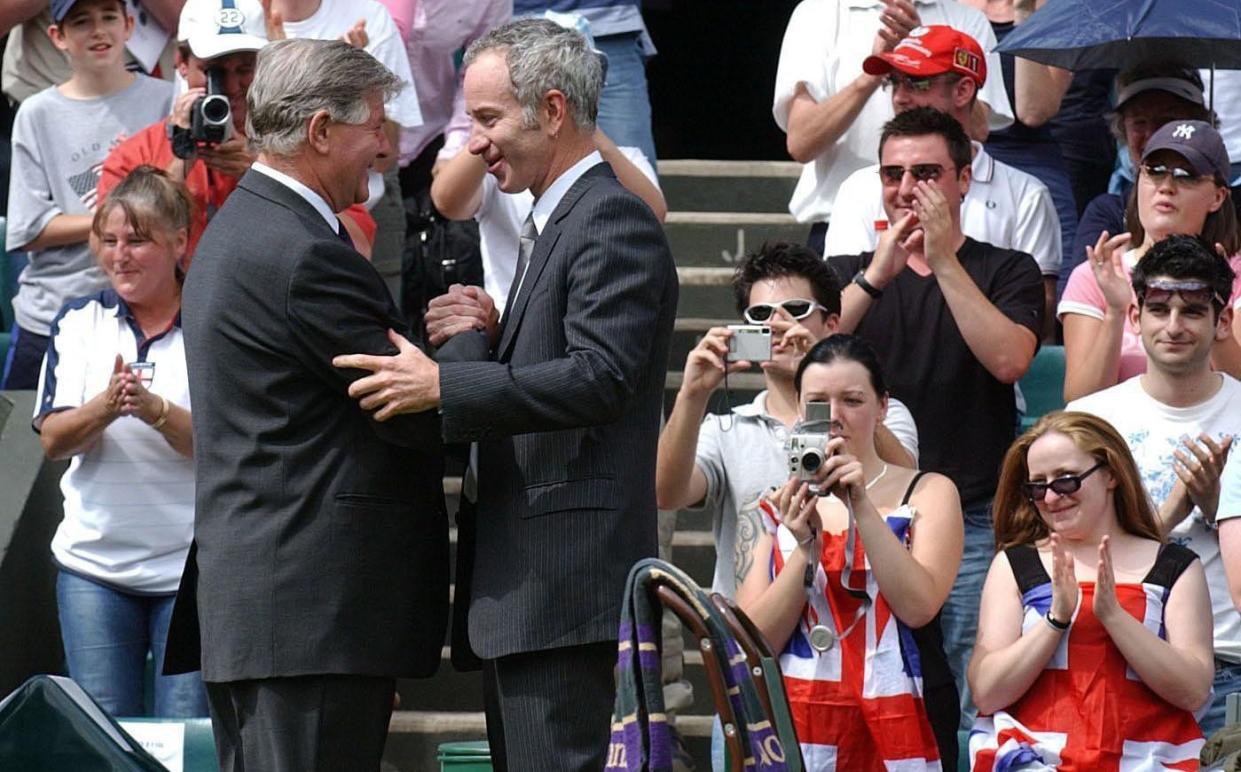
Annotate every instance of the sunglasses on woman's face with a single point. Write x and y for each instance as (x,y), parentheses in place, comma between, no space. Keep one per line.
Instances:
(1063,486)
(1159,173)
(893,174)
(798,308)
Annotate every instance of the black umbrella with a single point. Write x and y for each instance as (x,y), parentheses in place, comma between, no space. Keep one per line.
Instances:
(1085,34)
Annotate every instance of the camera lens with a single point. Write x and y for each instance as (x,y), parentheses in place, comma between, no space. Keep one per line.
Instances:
(812,460)
(215,109)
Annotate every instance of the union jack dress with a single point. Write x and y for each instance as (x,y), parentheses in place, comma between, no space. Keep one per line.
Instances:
(1088,710)
(859,704)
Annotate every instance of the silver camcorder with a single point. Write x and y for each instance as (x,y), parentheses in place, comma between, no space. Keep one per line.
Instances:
(807,445)
(749,343)
(211,116)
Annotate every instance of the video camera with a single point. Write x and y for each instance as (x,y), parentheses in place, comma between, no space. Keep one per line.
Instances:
(211,116)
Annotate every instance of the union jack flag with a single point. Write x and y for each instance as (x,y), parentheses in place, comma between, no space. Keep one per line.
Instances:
(858,705)
(1088,710)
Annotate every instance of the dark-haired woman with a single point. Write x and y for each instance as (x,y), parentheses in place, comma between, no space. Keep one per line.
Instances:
(848,584)
(1094,636)
(115,399)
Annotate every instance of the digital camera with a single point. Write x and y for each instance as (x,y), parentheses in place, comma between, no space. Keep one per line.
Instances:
(749,343)
(211,116)
(807,444)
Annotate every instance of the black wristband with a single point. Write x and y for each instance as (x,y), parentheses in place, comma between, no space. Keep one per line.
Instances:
(859,279)
(182,142)
(1056,623)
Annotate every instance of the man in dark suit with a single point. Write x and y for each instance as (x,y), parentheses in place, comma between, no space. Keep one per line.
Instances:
(562,396)
(320,572)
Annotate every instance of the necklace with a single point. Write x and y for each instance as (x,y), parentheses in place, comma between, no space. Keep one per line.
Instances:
(878,477)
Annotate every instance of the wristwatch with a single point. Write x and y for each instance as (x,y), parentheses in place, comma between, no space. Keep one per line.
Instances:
(859,279)
(182,142)
(1055,623)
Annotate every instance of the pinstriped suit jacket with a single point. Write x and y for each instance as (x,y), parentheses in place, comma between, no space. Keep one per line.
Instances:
(566,414)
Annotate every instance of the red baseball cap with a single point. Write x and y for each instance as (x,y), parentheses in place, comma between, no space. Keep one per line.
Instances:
(932,50)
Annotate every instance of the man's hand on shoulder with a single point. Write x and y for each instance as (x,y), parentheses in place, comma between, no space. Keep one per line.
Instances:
(408,382)
(459,310)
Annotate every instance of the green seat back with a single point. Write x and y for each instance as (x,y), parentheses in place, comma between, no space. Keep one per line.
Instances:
(1043,385)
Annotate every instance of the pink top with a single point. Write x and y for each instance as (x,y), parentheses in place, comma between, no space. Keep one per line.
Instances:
(1083,296)
(403,14)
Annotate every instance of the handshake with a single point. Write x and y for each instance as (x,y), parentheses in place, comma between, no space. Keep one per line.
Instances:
(459,310)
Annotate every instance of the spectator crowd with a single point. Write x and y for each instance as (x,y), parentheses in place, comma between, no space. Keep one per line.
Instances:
(1060,590)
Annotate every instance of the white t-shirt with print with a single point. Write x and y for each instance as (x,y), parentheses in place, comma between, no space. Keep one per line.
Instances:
(1153,431)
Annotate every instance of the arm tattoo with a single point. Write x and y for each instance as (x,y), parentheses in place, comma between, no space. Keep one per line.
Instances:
(748,531)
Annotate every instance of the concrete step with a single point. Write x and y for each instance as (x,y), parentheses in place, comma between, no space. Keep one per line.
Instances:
(715,186)
(723,238)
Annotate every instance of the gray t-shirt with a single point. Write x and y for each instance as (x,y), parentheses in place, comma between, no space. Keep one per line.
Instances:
(742,454)
(59,145)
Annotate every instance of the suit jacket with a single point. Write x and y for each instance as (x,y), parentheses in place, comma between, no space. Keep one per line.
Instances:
(566,414)
(321,538)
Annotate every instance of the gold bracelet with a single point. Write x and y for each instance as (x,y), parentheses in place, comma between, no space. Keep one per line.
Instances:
(163,413)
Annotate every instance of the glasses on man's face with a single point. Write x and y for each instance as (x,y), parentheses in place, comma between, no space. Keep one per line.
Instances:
(798,308)
(895,81)
(1160,292)
(1063,486)
(1159,173)
(893,174)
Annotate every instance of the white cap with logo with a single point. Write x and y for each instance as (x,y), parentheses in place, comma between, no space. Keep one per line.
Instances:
(214,28)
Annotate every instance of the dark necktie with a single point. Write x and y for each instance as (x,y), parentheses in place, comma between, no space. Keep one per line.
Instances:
(342,233)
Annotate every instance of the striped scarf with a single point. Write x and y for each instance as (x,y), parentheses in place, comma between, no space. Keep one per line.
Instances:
(640,739)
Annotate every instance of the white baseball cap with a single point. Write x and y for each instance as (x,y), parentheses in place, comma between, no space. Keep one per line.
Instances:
(217,27)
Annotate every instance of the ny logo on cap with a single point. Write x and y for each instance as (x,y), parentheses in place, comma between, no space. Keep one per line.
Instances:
(1184,131)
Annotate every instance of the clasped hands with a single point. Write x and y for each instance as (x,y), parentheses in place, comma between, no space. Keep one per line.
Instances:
(408,382)
(1065,590)
(126,396)
(927,229)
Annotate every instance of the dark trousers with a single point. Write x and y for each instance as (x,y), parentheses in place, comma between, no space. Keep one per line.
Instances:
(23,359)
(550,709)
(327,723)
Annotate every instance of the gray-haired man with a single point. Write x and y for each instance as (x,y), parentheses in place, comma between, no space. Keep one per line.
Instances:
(563,397)
(321,566)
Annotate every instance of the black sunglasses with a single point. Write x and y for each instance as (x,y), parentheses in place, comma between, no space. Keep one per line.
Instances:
(1063,486)
(1158,173)
(798,308)
(893,174)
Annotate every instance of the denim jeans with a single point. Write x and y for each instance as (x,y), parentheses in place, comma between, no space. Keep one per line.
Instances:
(625,105)
(23,360)
(107,635)
(960,615)
(1227,681)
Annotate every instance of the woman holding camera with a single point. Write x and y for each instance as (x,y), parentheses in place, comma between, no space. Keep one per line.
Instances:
(848,584)
(114,397)
(1094,636)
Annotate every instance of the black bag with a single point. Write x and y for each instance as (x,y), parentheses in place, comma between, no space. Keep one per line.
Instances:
(438,253)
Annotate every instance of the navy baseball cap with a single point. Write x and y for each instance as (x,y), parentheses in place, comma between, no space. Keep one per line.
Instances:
(1197,142)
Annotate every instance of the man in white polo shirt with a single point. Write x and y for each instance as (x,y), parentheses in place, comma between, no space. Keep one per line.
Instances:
(945,68)
(827,105)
